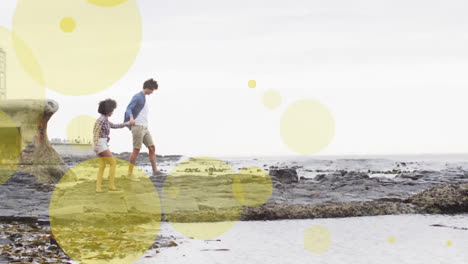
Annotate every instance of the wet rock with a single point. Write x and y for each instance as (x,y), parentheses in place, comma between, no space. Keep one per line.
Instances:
(319,177)
(284,175)
(356,175)
(448,199)
(329,177)
(173,244)
(411,176)
(5,241)
(371,208)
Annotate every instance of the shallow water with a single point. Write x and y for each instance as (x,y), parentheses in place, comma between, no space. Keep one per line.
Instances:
(353,240)
(310,167)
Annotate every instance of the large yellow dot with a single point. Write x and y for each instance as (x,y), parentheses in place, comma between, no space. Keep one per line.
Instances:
(252,84)
(91,59)
(449,243)
(108,227)
(271,99)
(67,24)
(197,198)
(107,3)
(10,147)
(307,127)
(317,239)
(252,186)
(80,131)
(391,240)
(19,83)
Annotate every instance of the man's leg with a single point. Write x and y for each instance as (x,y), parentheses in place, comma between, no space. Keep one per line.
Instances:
(137,135)
(152,158)
(148,141)
(132,159)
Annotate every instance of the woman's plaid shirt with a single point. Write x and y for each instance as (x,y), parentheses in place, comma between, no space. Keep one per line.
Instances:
(102,128)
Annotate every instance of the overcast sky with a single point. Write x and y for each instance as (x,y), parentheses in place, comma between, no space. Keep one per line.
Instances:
(393,73)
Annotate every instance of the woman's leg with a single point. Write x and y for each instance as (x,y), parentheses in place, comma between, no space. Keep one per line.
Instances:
(107,155)
(102,167)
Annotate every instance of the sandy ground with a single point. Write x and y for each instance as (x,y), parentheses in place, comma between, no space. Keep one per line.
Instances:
(410,239)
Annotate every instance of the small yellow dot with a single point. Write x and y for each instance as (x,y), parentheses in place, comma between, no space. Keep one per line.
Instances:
(391,240)
(271,99)
(449,243)
(67,24)
(317,239)
(252,84)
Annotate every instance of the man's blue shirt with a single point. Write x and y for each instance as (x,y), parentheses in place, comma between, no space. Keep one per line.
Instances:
(135,106)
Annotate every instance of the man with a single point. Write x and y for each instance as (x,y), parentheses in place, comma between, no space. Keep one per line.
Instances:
(137,115)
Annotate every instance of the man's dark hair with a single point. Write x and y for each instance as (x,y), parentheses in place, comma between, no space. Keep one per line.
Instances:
(150,84)
(107,106)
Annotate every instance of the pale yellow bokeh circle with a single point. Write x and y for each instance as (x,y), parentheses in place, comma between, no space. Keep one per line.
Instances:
(20,83)
(317,239)
(107,3)
(109,227)
(307,127)
(85,59)
(391,240)
(10,147)
(67,24)
(23,80)
(197,198)
(449,243)
(271,99)
(252,186)
(80,131)
(252,84)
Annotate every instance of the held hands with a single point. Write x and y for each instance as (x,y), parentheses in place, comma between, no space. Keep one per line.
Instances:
(131,122)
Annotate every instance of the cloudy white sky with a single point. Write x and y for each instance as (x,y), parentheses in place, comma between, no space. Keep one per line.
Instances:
(393,73)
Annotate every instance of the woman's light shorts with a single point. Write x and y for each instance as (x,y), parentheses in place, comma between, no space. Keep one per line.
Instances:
(102,145)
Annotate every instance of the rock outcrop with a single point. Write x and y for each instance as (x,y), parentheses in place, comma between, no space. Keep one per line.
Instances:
(447,199)
(37,157)
(284,175)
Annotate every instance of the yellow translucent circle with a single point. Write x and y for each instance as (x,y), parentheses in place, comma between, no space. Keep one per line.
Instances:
(307,127)
(252,186)
(107,3)
(271,99)
(19,83)
(317,239)
(17,80)
(10,147)
(449,243)
(80,131)
(252,84)
(67,24)
(98,53)
(197,198)
(391,240)
(108,227)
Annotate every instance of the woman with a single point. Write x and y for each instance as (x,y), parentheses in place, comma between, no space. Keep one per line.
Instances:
(101,139)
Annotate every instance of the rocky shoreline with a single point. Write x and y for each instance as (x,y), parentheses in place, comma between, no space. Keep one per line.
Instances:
(29,242)
(330,194)
(336,194)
